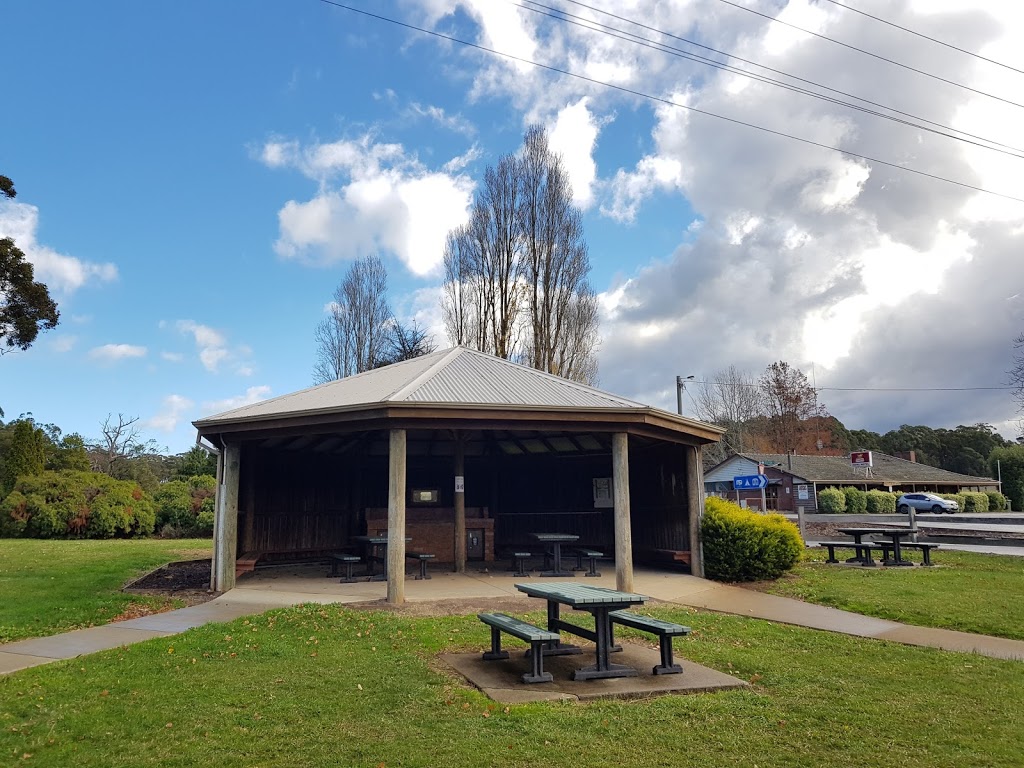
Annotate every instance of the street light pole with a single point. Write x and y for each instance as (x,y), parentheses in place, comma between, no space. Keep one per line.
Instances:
(680,388)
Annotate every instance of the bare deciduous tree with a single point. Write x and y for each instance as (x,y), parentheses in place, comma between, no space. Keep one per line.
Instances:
(353,338)
(117,444)
(732,399)
(516,275)
(405,342)
(789,402)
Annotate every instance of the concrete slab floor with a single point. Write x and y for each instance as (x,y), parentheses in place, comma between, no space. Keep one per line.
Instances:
(502,680)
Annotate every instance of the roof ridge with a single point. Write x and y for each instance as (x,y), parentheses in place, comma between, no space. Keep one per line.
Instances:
(409,387)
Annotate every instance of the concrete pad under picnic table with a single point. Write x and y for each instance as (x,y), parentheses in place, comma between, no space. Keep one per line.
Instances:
(502,680)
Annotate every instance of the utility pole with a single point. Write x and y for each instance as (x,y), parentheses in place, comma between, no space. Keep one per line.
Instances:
(680,388)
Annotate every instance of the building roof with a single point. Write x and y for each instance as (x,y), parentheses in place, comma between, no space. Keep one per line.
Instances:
(458,377)
(887,470)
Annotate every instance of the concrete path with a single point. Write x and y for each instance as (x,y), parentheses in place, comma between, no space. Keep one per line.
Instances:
(277,588)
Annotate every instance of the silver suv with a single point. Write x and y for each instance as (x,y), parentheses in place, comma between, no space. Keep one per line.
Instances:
(925,502)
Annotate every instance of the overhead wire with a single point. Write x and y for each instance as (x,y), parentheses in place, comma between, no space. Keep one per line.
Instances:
(870,53)
(668,102)
(922,35)
(563,16)
(730,55)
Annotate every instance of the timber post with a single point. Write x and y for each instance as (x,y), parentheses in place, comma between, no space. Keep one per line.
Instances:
(460,503)
(396,517)
(695,502)
(226,542)
(623,533)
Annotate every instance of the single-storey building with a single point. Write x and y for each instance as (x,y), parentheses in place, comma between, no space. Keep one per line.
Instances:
(465,453)
(794,480)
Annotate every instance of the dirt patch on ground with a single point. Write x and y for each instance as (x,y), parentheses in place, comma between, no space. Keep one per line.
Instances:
(454,607)
(188,580)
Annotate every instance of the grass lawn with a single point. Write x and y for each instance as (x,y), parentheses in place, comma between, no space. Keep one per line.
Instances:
(965,591)
(326,686)
(56,586)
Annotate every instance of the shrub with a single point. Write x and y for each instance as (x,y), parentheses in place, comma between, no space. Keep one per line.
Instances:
(996,501)
(831,501)
(185,507)
(881,502)
(856,500)
(76,504)
(975,501)
(747,546)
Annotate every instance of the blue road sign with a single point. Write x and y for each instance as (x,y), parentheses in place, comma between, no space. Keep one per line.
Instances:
(750,482)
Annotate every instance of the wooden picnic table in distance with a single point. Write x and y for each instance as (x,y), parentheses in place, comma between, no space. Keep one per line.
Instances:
(556,540)
(375,544)
(893,533)
(598,601)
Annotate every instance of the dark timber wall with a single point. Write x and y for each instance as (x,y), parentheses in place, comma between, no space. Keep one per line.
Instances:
(292,501)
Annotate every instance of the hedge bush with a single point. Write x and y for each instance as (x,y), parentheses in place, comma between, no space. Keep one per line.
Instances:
(73,504)
(740,545)
(975,501)
(881,502)
(831,501)
(996,501)
(184,508)
(856,500)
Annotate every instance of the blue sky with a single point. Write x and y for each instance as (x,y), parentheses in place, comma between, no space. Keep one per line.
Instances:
(195,178)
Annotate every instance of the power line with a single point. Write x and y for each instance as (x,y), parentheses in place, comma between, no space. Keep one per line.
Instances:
(560,15)
(926,37)
(770,69)
(865,389)
(668,102)
(869,53)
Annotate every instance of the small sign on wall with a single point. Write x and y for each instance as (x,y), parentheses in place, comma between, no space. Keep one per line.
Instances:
(803,492)
(460,484)
(603,493)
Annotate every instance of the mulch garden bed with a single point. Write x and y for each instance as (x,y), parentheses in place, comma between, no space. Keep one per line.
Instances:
(188,580)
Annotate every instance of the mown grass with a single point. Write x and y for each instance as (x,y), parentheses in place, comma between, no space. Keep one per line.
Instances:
(56,586)
(326,686)
(965,591)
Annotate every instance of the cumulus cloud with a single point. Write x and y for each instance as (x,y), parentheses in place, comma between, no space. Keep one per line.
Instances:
(371,196)
(171,411)
(213,348)
(61,273)
(251,395)
(109,353)
(872,275)
(64,344)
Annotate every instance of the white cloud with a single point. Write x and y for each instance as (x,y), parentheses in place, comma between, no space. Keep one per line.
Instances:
(212,345)
(172,357)
(456,123)
(173,408)
(252,395)
(63,344)
(372,196)
(61,273)
(113,352)
(574,137)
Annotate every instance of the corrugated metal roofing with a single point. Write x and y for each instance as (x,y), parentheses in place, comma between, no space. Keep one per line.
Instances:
(837,469)
(452,376)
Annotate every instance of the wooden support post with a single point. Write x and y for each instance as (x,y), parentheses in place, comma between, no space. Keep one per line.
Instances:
(226,544)
(460,503)
(396,517)
(695,504)
(623,532)
(249,531)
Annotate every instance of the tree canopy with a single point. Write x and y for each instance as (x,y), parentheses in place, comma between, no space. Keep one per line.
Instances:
(25,304)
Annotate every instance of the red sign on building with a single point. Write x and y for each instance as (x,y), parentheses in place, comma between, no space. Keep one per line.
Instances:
(861,458)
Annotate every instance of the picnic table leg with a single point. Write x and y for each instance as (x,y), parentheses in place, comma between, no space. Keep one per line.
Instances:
(556,648)
(603,668)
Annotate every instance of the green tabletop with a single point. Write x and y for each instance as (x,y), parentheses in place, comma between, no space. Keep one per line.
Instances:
(579,595)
